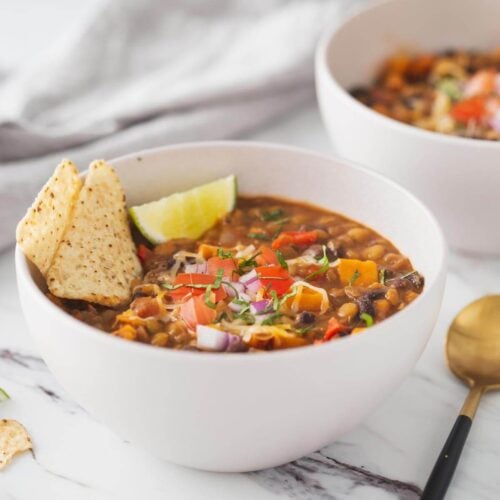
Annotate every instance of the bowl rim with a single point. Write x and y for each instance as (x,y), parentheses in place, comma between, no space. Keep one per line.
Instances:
(322,66)
(23,271)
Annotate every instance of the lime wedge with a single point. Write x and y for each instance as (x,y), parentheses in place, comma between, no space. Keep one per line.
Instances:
(188,214)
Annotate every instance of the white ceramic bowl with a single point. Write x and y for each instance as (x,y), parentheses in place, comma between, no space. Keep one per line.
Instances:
(240,412)
(458,178)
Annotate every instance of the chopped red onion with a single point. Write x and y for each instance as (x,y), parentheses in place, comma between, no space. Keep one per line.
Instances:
(211,339)
(232,287)
(259,307)
(253,288)
(244,296)
(249,278)
(200,268)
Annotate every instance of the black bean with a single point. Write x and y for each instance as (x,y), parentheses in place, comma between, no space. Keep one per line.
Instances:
(332,254)
(365,305)
(333,251)
(306,318)
(316,251)
(416,280)
(376,294)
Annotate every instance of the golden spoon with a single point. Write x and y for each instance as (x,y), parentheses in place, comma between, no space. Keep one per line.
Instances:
(473,355)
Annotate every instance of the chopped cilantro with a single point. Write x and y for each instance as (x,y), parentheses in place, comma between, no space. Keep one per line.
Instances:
(367,318)
(381,276)
(325,263)
(275,300)
(354,277)
(259,236)
(246,265)
(218,278)
(272,318)
(272,215)
(223,254)
(304,330)
(169,286)
(288,295)
(207,298)
(281,259)
(246,317)
(450,87)
(244,303)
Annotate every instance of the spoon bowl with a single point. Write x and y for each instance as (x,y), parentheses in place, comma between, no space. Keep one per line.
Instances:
(473,343)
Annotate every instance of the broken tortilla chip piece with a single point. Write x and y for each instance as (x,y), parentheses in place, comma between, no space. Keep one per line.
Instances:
(96,260)
(41,230)
(14,439)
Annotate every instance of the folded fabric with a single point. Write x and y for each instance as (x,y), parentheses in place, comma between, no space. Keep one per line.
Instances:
(143,74)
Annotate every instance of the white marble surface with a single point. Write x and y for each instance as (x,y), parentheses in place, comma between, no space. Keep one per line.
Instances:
(389,456)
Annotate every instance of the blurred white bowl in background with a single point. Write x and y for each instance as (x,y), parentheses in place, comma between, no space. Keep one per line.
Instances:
(458,178)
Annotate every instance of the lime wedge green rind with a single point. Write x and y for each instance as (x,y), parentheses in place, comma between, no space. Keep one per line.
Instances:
(188,214)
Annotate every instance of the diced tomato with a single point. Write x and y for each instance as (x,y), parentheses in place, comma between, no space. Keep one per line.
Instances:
(333,328)
(196,312)
(274,278)
(216,263)
(295,238)
(195,279)
(145,307)
(267,256)
(470,109)
(143,252)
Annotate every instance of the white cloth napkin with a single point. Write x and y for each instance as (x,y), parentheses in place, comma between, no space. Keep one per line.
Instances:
(143,74)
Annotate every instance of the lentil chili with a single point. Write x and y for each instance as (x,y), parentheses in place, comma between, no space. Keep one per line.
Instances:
(454,92)
(272,274)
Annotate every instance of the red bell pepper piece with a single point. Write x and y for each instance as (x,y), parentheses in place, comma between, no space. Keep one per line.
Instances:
(302,238)
(470,109)
(333,328)
(227,265)
(195,279)
(267,256)
(274,278)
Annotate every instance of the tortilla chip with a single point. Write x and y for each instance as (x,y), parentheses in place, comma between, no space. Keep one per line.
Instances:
(14,439)
(97,260)
(41,230)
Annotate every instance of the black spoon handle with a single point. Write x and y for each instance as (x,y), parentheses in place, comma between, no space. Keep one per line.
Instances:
(441,475)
